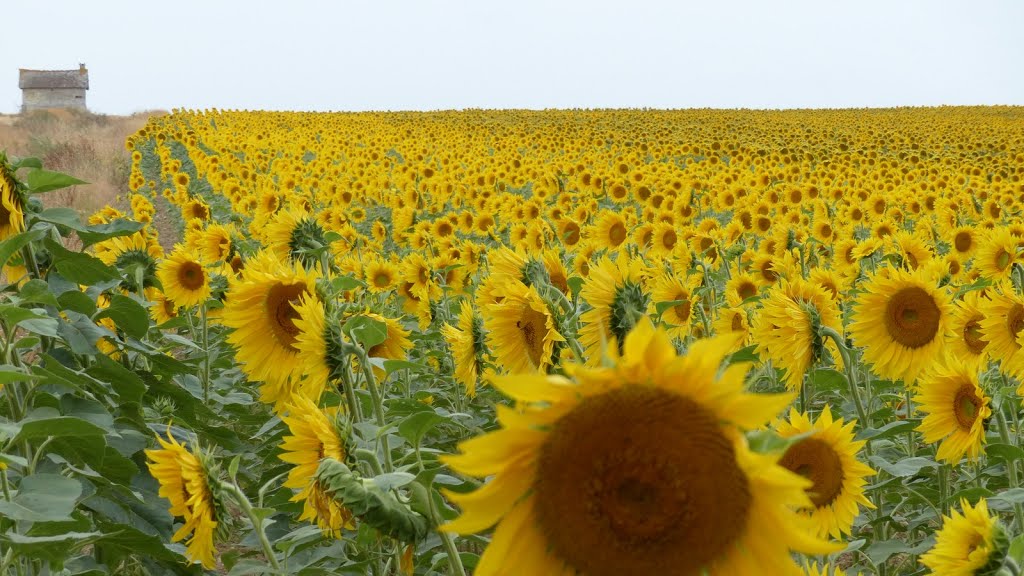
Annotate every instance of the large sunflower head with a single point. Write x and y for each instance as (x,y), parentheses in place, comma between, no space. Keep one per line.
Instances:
(786,328)
(827,456)
(618,301)
(184,478)
(969,542)
(260,308)
(1003,328)
(467,342)
(634,468)
(295,235)
(521,330)
(901,319)
(956,409)
(315,434)
(184,279)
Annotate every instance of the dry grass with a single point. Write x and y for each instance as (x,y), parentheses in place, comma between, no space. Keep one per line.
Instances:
(87,146)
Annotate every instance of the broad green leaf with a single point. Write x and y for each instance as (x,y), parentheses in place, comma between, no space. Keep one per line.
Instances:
(80,267)
(1013,496)
(396,365)
(17,242)
(92,234)
(127,384)
(27,162)
(40,181)
(415,426)
(890,429)
(128,314)
(53,549)
(575,284)
(10,374)
(57,426)
(1006,452)
(345,283)
(905,467)
(367,331)
(393,480)
(78,301)
(43,498)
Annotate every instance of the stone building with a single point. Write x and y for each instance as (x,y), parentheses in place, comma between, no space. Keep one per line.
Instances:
(53,88)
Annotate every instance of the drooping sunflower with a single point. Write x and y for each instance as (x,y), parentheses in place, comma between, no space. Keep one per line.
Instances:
(521,331)
(969,542)
(260,308)
(135,254)
(1002,328)
(828,457)
(966,340)
(184,279)
(786,327)
(292,234)
(468,345)
(634,468)
(12,211)
(618,301)
(956,408)
(315,434)
(182,475)
(901,320)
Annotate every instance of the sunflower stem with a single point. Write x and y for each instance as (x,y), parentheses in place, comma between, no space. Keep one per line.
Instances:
(375,395)
(1011,566)
(257,523)
(910,433)
(1011,467)
(454,559)
(206,353)
(851,375)
(943,474)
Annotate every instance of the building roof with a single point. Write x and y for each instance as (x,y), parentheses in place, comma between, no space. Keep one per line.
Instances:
(53,78)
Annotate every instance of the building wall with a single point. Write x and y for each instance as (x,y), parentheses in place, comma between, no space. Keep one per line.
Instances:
(36,98)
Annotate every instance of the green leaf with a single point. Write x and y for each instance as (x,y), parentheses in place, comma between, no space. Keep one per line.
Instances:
(93,234)
(366,331)
(415,426)
(393,480)
(80,267)
(27,162)
(905,467)
(40,181)
(396,365)
(43,498)
(890,429)
(128,314)
(661,307)
(880,551)
(57,426)
(127,384)
(10,374)
(17,242)
(78,301)
(828,379)
(54,549)
(62,216)
(1013,496)
(345,283)
(1006,452)
(36,291)
(575,284)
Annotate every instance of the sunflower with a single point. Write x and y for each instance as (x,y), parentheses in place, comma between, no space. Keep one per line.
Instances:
(996,255)
(670,288)
(901,319)
(617,300)
(733,320)
(183,480)
(956,409)
(827,455)
(740,288)
(966,341)
(12,211)
(184,280)
(295,235)
(161,308)
(971,542)
(1001,328)
(521,331)
(318,347)
(466,340)
(963,241)
(786,327)
(134,254)
(634,468)
(315,434)
(215,245)
(610,230)
(381,276)
(260,308)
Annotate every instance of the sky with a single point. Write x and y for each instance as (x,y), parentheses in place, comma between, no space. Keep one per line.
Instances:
(454,54)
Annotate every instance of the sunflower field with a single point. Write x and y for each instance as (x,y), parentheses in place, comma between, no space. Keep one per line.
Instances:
(618,342)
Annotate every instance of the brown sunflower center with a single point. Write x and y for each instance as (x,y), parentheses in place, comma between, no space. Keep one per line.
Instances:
(746,289)
(1002,259)
(669,239)
(966,406)
(972,336)
(382,280)
(1015,321)
(817,461)
(617,233)
(533,326)
(640,481)
(190,275)
(963,241)
(683,309)
(737,322)
(282,314)
(912,317)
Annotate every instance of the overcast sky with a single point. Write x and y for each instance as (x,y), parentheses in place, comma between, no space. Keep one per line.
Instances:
(434,54)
